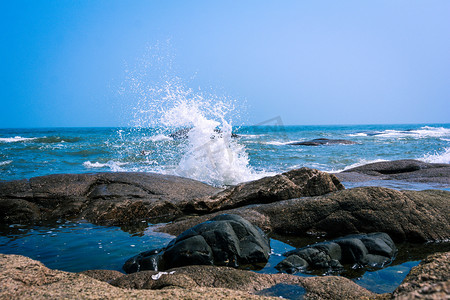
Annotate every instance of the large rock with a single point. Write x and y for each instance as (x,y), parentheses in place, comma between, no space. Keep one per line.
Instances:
(329,287)
(226,240)
(407,170)
(105,198)
(24,278)
(302,182)
(374,250)
(429,280)
(415,216)
(323,141)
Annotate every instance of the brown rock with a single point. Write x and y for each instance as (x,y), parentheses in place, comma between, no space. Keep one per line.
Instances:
(302,182)
(103,275)
(429,280)
(415,216)
(330,287)
(24,278)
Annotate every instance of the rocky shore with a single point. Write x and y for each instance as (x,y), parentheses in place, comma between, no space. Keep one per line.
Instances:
(220,230)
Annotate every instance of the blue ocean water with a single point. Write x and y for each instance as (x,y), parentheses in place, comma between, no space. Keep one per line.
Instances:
(256,152)
(204,153)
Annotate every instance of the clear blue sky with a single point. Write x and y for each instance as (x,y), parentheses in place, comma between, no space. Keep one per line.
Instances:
(309,62)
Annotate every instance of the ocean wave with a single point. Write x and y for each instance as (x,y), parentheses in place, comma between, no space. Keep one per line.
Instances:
(4,163)
(158,138)
(422,132)
(277,143)
(442,158)
(114,166)
(16,139)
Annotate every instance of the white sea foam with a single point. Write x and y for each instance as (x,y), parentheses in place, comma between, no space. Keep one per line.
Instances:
(443,157)
(211,155)
(114,166)
(16,139)
(278,143)
(158,138)
(423,132)
(4,163)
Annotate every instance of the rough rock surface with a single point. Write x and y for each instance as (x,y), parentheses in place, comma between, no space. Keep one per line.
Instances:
(103,198)
(329,287)
(408,170)
(414,216)
(24,278)
(322,141)
(302,182)
(374,250)
(226,240)
(128,198)
(429,280)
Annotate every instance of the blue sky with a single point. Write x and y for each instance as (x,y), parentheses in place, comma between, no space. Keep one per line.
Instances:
(310,62)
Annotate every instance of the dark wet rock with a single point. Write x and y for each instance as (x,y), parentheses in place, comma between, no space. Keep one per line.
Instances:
(103,198)
(226,240)
(302,182)
(374,250)
(429,280)
(414,216)
(323,141)
(407,170)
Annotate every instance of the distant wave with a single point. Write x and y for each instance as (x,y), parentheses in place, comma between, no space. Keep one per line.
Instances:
(443,158)
(423,132)
(114,166)
(277,143)
(16,139)
(4,163)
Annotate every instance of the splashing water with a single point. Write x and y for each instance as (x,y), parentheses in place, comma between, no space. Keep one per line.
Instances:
(164,104)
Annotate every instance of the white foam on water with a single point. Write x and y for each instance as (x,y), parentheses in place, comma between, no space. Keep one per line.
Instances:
(436,157)
(16,139)
(4,163)
(112,165)
(277,143)
(158,138)
(422,132)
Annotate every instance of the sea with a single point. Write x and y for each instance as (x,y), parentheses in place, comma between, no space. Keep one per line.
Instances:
(194,140)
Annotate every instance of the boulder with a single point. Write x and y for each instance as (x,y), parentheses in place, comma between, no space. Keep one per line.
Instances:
(323,141)
(302,182)
(226,240)
(374,250)
(102,198)
(414,216)
(407,170)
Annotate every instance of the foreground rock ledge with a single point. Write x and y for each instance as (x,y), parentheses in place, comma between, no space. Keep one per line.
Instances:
(24,278)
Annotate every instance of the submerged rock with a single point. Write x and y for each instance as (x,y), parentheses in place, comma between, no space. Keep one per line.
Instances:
(407,170)
(323,141)
(374,250)
(226,240)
